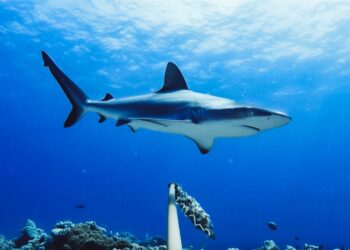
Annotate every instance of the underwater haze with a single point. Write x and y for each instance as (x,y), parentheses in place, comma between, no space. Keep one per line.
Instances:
(292,56)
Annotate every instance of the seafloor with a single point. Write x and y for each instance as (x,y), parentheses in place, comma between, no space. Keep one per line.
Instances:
(89,236)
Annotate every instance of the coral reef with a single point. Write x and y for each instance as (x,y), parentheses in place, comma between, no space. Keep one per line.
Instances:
(125,235)
(269,245)
(6,244)
(312,247)
(89,236)
(31,237)
(82,236)
(153,242)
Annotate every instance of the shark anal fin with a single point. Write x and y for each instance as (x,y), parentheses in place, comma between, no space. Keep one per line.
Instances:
(107,97)
(173,79)
(204,144)
(122,122)
(102,118)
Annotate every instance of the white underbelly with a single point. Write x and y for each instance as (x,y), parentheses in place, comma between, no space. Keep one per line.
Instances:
(187,128)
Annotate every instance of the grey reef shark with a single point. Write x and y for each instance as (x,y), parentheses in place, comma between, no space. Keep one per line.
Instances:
(172,109)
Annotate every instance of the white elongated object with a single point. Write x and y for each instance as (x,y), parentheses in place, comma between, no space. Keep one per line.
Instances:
(174,237)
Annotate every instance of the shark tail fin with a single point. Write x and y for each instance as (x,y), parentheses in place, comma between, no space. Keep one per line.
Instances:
(75,95)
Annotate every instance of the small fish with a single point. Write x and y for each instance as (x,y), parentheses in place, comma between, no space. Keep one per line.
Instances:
(272,225)
(296,238)
(80,206)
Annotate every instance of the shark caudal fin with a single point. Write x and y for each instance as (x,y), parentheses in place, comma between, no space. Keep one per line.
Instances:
(75,95)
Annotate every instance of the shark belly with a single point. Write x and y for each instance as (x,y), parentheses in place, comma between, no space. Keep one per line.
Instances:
(194,130)
(203,134)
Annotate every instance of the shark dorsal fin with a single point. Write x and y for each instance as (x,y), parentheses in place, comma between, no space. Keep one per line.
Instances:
(173,79)
(107,97)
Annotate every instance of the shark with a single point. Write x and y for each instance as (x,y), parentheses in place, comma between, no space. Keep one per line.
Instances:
(174,109)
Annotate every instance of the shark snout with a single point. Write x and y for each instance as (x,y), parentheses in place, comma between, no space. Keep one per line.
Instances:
(275,120)
(266,119)
(279,119)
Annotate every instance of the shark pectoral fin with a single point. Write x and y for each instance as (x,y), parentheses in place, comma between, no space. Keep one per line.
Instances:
(251,128)
(122,122)
(132,128)
(102,118)
(203,143)
(244,130)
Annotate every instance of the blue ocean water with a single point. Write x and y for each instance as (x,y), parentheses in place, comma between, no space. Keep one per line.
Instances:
(260,54)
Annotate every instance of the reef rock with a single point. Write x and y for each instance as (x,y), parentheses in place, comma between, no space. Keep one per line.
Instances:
(30,229)
(269,245)
(290,248)
(84,236)
(31,237)
(6,244)
(311,247)
(125,235)
(153,242)
(62,228)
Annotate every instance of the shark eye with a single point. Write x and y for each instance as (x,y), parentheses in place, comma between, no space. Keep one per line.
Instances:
(250,112)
